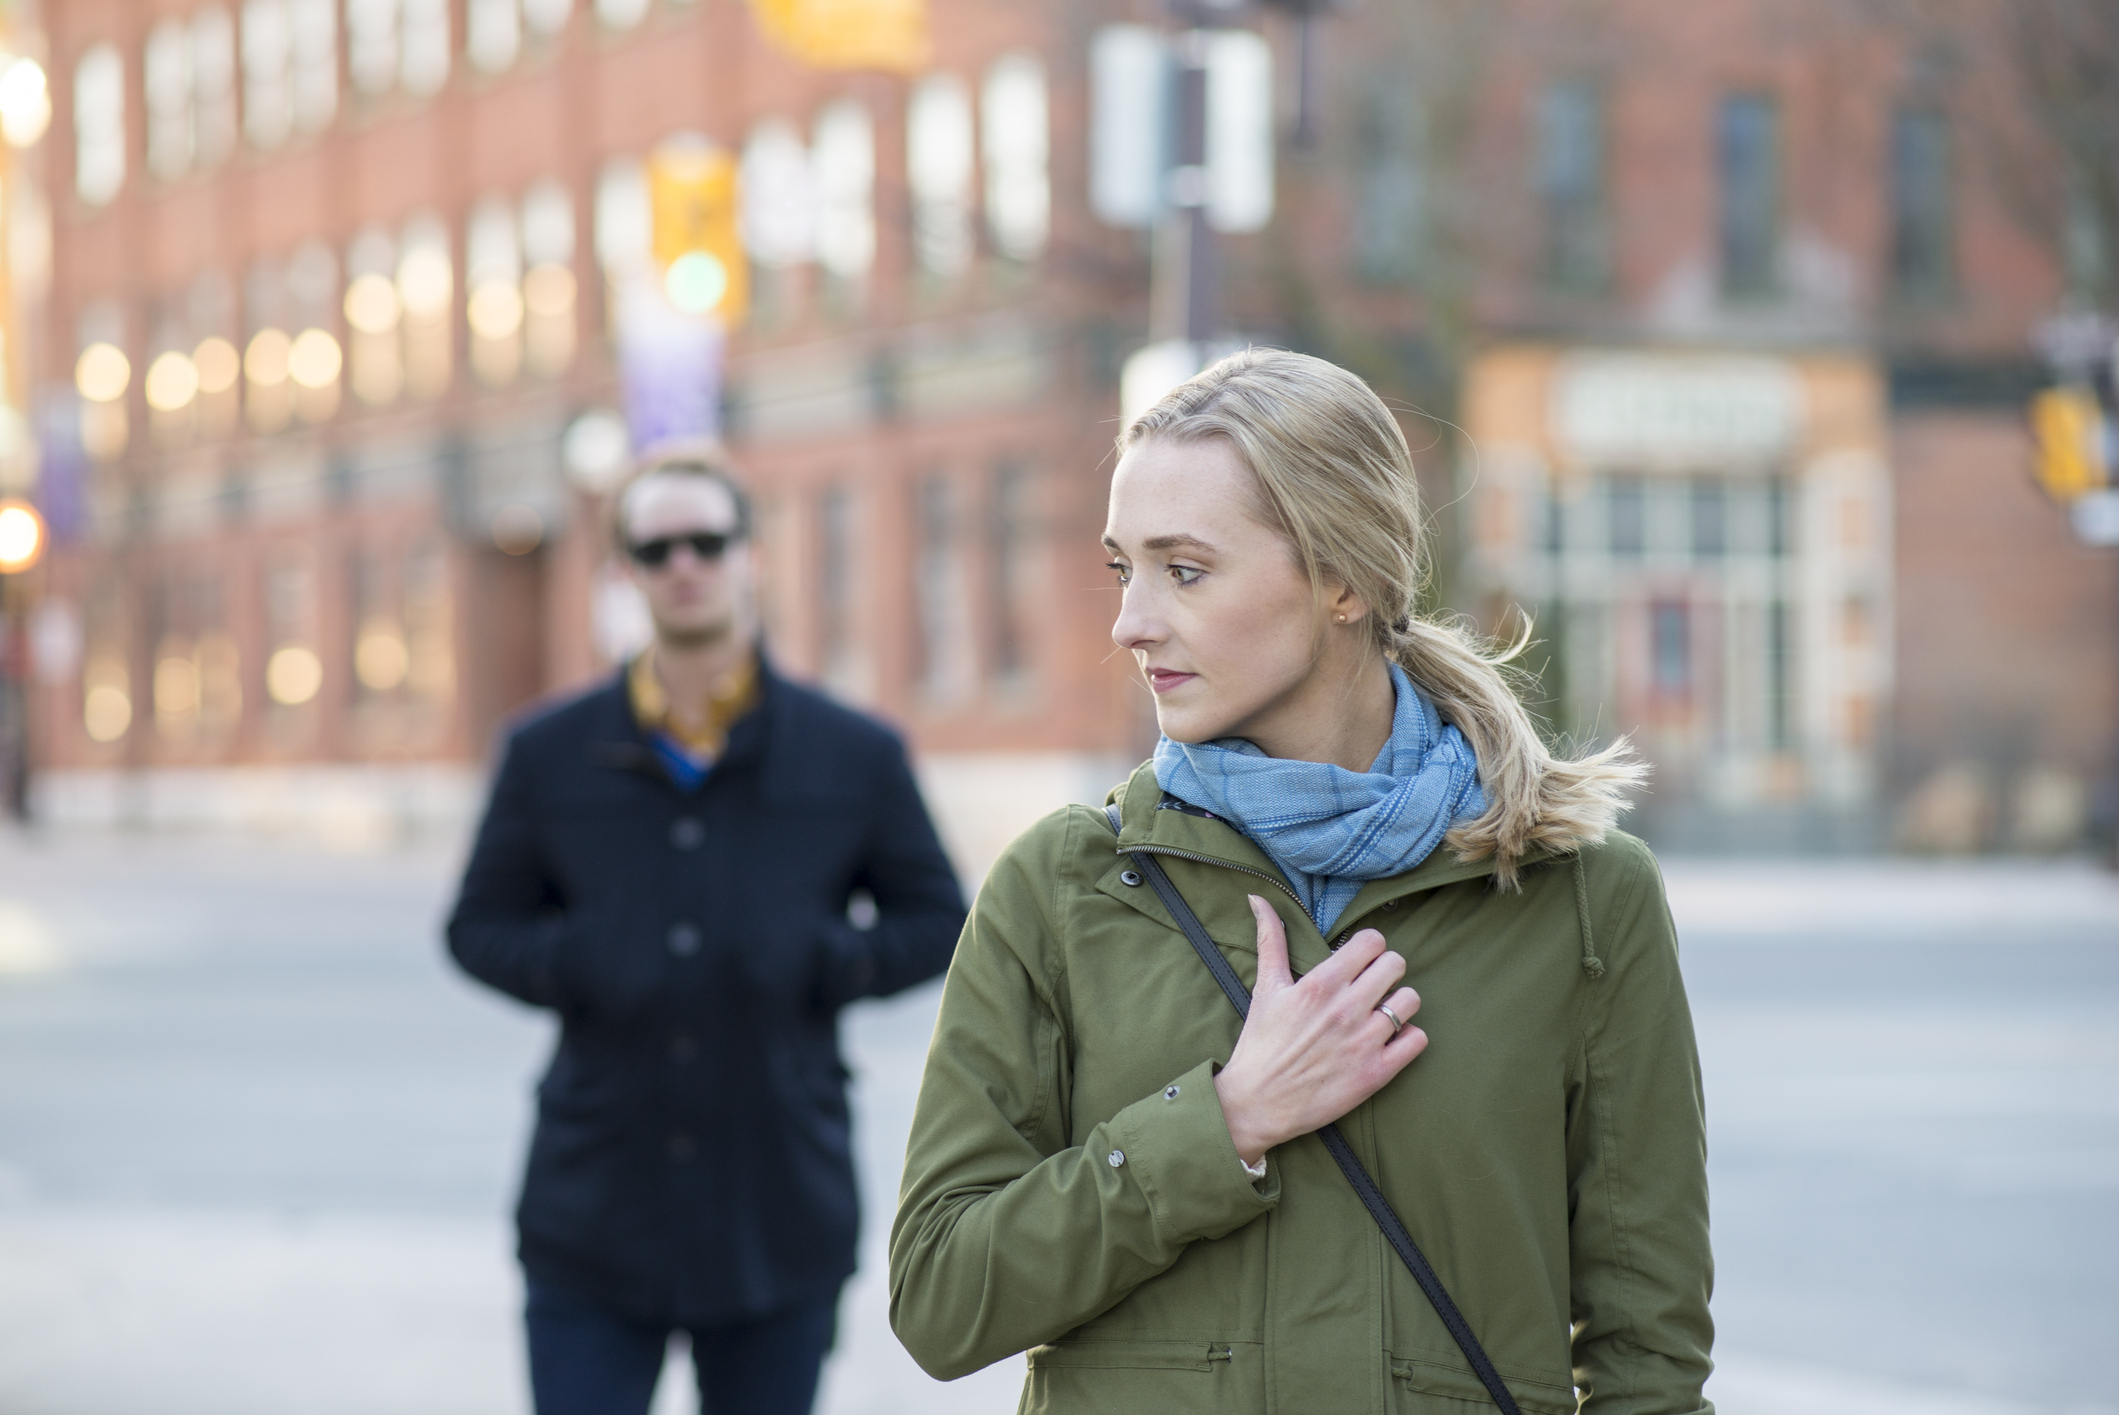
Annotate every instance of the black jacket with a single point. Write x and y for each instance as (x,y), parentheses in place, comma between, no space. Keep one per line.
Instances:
(691,1163)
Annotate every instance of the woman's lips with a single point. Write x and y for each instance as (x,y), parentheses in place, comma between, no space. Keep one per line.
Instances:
(1162,680)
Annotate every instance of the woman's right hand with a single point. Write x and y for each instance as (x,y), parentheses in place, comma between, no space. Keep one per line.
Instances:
(1312,1051)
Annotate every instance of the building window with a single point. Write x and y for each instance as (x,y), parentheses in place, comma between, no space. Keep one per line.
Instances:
(268,78)
(1710,519)
(373,316)
(1780,677)
(166,77)
(1748,151)
(313,29)
(426,290)
(1671,648)
(1391,195)
(621,14)
(371,44)
(1010,546)
(837,654)
(1627,506)
(429,628)
(1571,185)
(625,222)
(212,86)
(106,675)
(548,287)
(779,196)
(1921,245)
(294,670)
(492,34)
(381,658)
(423,59)
(845,148)
(1016,132)
(1780,518)
(938,163)
(493,269)
(2086,244)
(198,686)
(99,125)
(547,17)
(943,667)
(188,74)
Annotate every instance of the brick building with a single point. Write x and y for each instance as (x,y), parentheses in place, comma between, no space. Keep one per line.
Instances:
(310,593)
(1729,299)
(1735,305)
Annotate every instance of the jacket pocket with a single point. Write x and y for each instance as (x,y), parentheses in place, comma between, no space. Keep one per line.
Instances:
(1129,1377)
(1456,1382)
(1132,1355)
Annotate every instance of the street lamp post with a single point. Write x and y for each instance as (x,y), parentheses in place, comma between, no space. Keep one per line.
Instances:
(1200,103)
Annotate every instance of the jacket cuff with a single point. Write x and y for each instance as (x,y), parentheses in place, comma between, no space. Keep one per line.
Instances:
(846,967)
(549,963)
(1177,1146)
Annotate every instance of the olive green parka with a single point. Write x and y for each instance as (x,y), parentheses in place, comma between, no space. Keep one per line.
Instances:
(1071,1189)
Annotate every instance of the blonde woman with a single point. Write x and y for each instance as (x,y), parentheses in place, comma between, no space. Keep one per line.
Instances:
(1113,1171)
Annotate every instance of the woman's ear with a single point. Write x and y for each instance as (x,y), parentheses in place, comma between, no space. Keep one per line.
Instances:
(1344,606)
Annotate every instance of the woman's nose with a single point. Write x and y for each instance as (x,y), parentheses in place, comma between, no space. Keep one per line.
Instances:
(1136,626)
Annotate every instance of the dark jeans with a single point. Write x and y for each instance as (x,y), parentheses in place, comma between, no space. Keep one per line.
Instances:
(585,1361)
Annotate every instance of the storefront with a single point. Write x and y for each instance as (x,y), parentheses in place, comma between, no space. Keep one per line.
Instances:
(1702,540)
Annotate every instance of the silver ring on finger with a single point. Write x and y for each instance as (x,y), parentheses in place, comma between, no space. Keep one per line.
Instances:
(1397,1025)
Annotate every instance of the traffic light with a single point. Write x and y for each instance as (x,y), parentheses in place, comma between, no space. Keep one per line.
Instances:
(698,244)
(2074,434)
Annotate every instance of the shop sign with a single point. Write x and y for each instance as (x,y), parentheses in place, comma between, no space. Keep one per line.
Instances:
(1663,409)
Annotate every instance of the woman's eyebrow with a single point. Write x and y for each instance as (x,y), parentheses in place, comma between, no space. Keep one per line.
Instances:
(1179,541)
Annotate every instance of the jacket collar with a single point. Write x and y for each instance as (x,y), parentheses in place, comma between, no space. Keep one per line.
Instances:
(1215,841)
(619,742)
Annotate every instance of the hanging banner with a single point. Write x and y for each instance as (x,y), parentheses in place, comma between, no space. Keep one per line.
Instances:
(848,34)
(670,366)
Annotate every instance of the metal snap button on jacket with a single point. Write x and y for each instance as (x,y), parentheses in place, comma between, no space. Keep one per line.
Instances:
(684,940)
(1117,1158)
(1129,877)
(1171,1093)
(687,833)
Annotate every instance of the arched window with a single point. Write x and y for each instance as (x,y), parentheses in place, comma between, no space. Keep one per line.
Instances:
(99,125)
(846,179)
(938,161)
(1015,126)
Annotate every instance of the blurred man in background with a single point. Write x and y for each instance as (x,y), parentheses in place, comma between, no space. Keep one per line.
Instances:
(668,862)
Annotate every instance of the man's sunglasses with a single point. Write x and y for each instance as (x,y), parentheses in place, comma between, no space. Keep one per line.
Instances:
(707,545)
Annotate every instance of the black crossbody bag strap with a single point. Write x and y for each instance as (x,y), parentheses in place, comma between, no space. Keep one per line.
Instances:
(1394,1230)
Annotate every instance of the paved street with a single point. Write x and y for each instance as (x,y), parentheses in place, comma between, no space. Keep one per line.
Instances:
(257,1141)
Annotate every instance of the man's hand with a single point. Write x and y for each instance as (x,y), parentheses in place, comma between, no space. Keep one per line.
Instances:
(1312,1051)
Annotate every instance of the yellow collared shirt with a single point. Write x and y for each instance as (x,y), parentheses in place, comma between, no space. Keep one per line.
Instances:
(700,736)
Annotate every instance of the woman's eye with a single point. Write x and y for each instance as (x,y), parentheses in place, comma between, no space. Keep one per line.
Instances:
(1125,575)
(1185,574)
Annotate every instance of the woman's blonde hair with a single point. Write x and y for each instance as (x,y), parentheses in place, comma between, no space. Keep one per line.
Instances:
(1336,477)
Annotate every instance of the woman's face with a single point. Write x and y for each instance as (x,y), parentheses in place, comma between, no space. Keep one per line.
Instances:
(1221,618)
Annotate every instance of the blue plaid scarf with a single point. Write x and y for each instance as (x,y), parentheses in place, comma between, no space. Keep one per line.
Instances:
(1330,829)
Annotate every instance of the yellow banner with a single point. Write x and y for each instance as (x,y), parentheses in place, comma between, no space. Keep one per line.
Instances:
(848,34)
